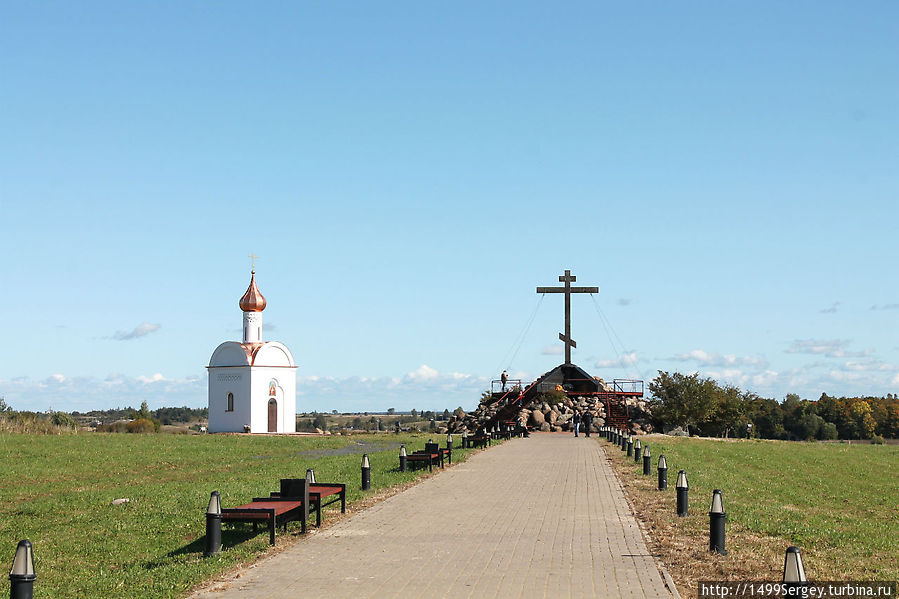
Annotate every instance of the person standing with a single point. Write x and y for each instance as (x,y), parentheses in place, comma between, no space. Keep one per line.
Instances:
(505,379)
(588,422)
(576,420)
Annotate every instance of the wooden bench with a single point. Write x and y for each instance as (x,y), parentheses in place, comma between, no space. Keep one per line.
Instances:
(482,440)
(271,511)
(318,492)
(430,455)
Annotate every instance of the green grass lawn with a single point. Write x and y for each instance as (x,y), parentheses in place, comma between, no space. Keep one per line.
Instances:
(838,502)
(56,491)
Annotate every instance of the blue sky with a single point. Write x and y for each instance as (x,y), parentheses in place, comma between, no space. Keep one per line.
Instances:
(408,173)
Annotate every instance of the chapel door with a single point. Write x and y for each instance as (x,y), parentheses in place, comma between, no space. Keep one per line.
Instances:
(272,415)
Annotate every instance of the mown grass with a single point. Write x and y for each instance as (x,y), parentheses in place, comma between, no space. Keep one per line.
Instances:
(838,502)
(56,491)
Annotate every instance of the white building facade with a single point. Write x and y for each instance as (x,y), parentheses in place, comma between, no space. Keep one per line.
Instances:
(253,384)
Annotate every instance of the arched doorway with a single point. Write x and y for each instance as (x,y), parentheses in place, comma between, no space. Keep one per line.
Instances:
(272,415)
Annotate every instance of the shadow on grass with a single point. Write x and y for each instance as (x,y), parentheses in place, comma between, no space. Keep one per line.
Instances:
(231,537)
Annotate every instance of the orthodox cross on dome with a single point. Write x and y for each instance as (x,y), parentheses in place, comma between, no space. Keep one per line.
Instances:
(568,279)
(252,258)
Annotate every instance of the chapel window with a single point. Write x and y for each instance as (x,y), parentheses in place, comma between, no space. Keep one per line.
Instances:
(230,407)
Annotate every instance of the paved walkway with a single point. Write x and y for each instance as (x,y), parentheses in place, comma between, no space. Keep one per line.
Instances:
(537,517)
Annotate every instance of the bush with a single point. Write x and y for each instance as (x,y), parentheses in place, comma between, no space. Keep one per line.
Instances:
(63,420)
(828,431)
(878,440)
(141,425)
(553,397)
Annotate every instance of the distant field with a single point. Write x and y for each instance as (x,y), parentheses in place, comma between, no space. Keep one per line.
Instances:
(836,502)
(56,491)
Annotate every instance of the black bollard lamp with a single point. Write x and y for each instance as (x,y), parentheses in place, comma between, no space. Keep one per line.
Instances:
(647,466)
(213,525)
(22,575)
(310,476)
(794,570)
(682,488)
(663,473)
(637,449)
(403,457)
(717,519)
(366,473)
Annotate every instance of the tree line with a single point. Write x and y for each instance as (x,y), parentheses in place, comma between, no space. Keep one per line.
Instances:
(703,406)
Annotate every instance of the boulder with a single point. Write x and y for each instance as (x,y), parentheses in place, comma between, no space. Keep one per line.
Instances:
(536,419)
(545,427)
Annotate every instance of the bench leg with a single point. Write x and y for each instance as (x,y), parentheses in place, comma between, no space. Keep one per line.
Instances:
(318,514)
(271,531)
(343,502)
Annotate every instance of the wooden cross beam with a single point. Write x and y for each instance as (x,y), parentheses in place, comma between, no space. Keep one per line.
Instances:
(568,279)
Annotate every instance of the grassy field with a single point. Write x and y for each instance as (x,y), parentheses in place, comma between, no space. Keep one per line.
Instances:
(838,503)
(56,491)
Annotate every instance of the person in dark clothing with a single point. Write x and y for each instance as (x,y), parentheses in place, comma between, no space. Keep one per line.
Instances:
(576,421)
(505,379)
(588,421)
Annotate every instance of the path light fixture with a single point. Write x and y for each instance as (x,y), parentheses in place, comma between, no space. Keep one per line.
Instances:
(647,467)
(449,440)
(717,518)
(213,525)
(794,570)
(630,446)
(403,457)
(663,473)
(638,447)
(366,473)
(464,439)
(623,442)
(22,576)
(310,476)
(681,487)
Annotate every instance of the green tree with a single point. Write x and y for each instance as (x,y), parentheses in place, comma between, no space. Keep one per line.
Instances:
(730,412)
(684,400)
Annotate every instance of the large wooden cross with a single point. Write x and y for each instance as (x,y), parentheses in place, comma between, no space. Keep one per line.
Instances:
(568,279)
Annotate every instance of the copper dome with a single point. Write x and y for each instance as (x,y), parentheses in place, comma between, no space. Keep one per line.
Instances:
(252,300)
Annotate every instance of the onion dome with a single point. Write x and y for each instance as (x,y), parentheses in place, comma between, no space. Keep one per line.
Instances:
(252,300)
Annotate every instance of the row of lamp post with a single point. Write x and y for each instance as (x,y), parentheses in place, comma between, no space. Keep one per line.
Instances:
(22,575)
(794,570)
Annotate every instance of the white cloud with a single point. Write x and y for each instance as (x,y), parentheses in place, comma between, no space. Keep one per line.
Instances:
(705,358)
(553,350)
(624,301)
(627,359)
(140,330)
(895,380)
(831,348)
(831,309)
(885,307)
(870,366)
(84,393)
(423,373)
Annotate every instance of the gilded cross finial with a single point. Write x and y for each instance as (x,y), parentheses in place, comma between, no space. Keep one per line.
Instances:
(252,258)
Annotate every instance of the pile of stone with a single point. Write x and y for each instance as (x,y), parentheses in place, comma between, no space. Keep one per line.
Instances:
(543,416)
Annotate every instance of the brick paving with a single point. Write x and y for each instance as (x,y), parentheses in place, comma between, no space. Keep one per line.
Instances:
(537,517)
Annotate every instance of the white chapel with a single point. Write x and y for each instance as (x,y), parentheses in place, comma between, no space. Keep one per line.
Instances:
(252,385)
